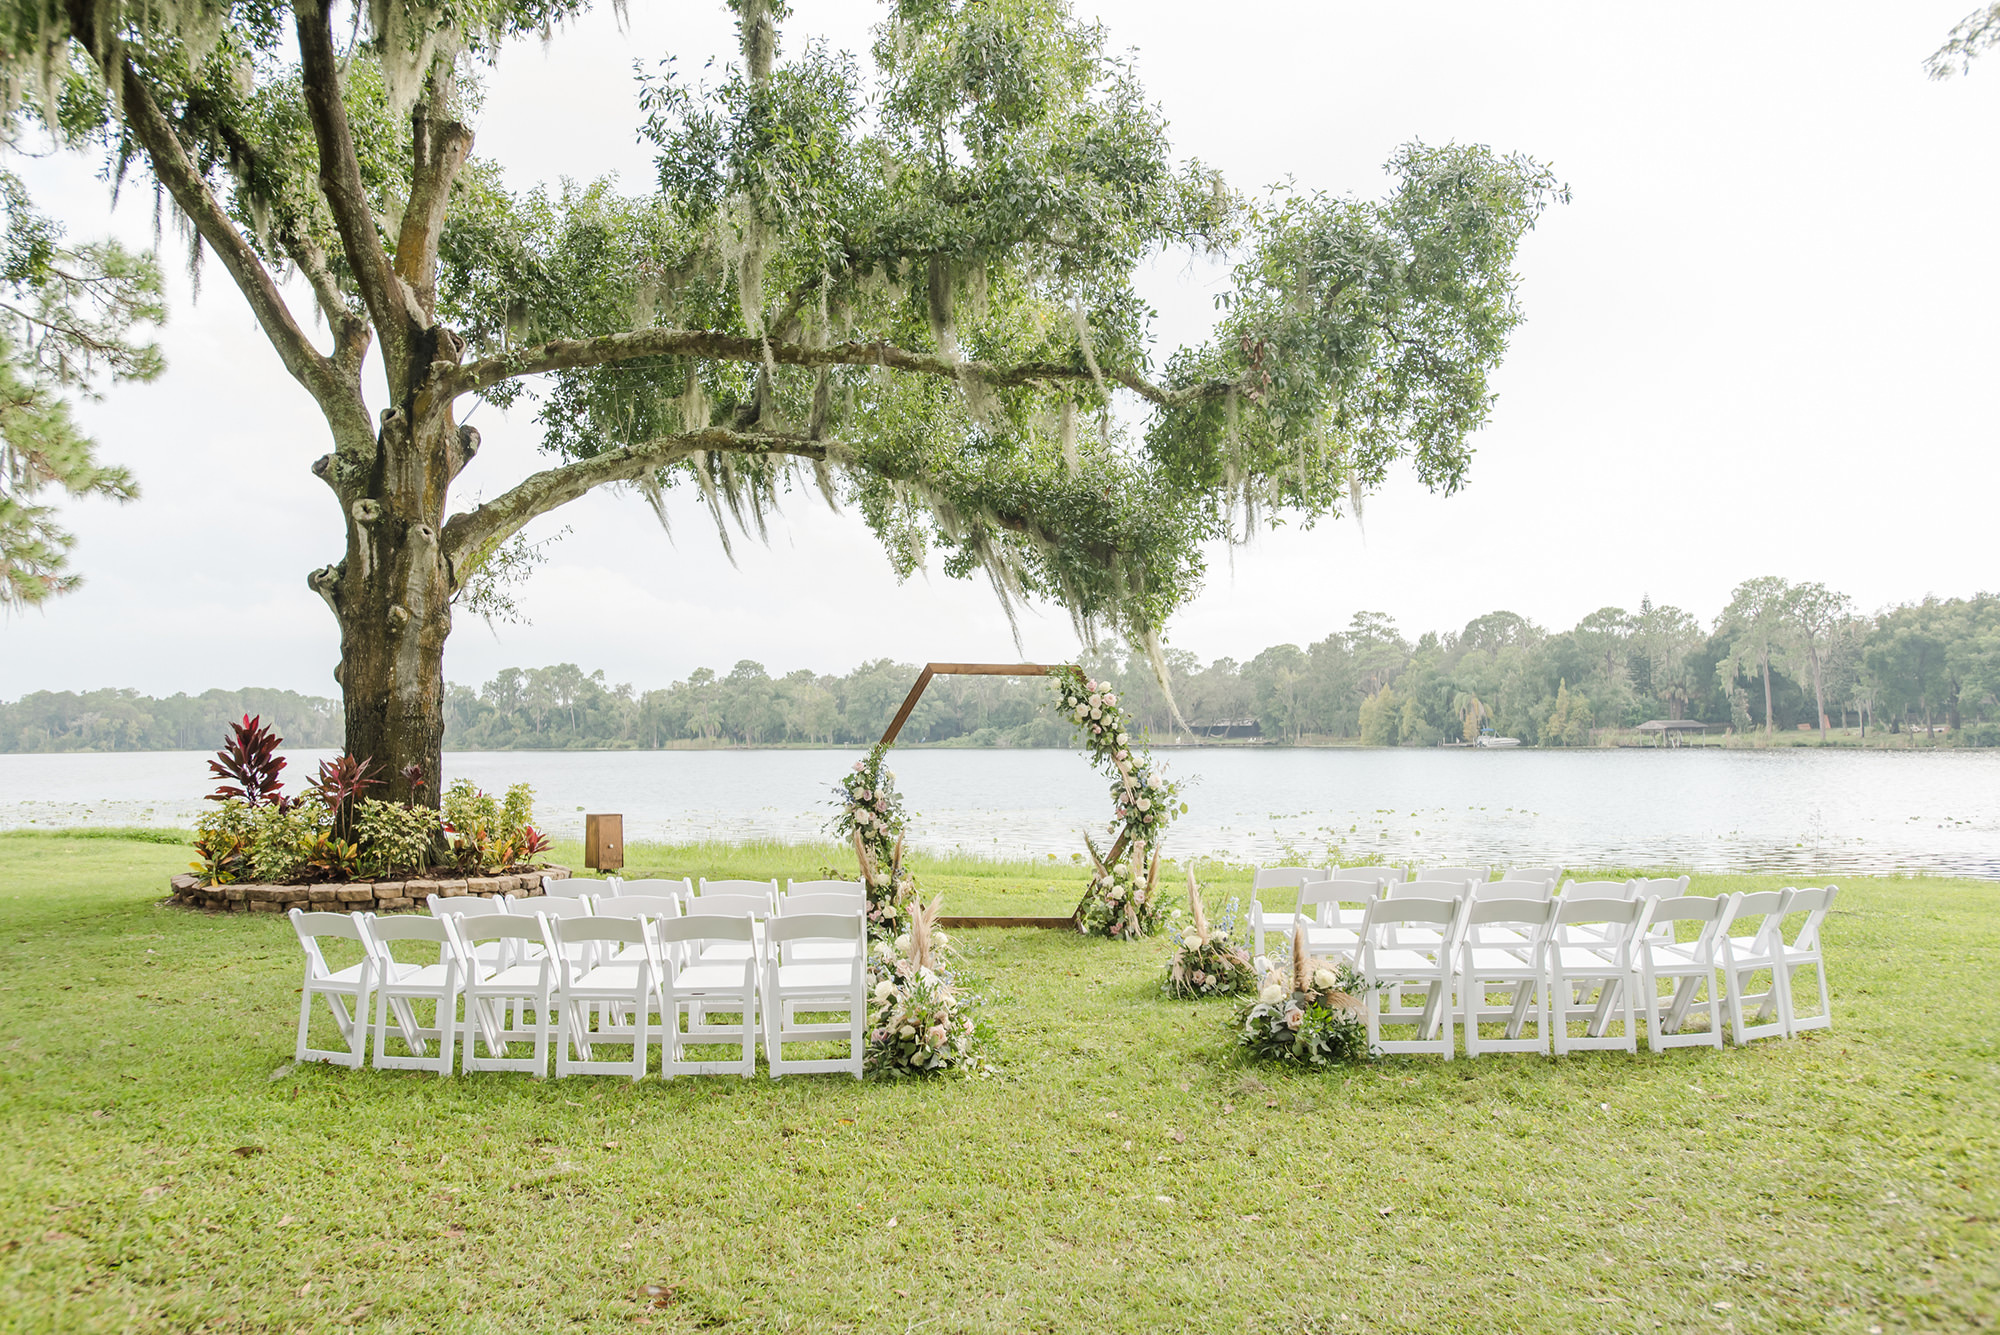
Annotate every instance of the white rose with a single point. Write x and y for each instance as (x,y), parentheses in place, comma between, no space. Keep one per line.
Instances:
(861,817)
(903,943)
(940,939)
(1145,804)
(884,990)
(1124,737)
(908,1031)
(1097,713)
(1323,979)
(1110,700)
(1191,938)
(881,878)
(1272,992)
(1262,964)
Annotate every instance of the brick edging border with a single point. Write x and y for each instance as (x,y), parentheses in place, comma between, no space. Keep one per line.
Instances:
(371,896)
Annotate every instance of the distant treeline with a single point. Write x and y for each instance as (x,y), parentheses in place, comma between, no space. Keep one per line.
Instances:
(1932,667)
(123,720)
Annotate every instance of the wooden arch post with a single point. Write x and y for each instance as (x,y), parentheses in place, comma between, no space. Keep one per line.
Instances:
(903,716)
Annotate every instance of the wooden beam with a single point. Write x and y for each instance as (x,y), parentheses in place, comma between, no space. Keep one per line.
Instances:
(959,670)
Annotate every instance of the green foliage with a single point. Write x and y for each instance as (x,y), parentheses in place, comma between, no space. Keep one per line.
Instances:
(67,320)
(222,838)
(1568,721)
(1381,718)
(486,833)
(394,838)
(284,839)
(1316,1021)
(1125,900)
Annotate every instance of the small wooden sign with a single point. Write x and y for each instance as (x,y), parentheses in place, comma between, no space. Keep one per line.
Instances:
(604,842)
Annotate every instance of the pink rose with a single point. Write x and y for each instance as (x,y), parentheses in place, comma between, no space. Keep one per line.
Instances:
(1293,1016)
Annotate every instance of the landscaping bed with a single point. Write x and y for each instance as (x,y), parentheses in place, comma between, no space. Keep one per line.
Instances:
(373,896)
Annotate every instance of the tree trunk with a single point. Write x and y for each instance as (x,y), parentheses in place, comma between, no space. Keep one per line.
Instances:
(1770,724)
(392,596)
(1819,698)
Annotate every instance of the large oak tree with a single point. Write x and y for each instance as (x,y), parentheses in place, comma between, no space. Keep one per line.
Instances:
(910,288)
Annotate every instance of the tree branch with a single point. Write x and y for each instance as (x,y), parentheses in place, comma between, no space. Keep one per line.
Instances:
(175,170)
(389,305)
(440,148)
(572,354)
(505,515)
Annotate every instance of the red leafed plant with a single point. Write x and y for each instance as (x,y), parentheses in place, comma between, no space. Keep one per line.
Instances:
(249,755)
(340,784)
(533,842)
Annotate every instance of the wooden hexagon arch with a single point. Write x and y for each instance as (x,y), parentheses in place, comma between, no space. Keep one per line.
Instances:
(903,716)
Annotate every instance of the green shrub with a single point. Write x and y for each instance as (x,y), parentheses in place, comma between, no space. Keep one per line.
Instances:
(487,833)
(222,842)
(395,838)
(282,839)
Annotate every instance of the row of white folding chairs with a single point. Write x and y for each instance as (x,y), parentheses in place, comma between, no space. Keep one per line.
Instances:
(1377,882)
(567,981)
(1594,960)
(692,887)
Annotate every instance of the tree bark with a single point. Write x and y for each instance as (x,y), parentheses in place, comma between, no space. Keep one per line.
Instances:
(1770,724)
(1819,696)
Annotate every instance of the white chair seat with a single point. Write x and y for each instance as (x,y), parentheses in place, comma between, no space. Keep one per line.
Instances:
(815,977)
(1406,963)
(1499,959)
(813,951)
(709,977)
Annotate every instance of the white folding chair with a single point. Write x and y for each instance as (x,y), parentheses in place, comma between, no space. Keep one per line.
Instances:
(1803,951)
(1455,890)
(1751,941)
(694,988)
(472,906)
(1553,875)
(1393,967)
(1497,933)
(350,985)
(401,986)
(1688,966)
(509,992)
(1324,911)
(1660,887)
(796,981)
(1584,932)
(1590,972)
(620,978)
(1503,972)
(1263,920)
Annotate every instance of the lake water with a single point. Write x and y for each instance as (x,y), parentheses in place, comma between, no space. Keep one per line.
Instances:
(1798,811)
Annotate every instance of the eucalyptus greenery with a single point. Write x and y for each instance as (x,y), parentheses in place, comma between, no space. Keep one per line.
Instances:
(910,286)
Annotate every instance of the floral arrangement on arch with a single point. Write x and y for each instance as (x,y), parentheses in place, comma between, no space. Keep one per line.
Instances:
(1312,1013)
(1123,901)
(921,1020)
(869,814)
(1205,960)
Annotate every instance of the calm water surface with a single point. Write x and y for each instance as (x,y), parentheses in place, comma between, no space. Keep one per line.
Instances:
(1780,811)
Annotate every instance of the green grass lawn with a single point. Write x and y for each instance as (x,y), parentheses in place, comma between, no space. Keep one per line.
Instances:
(162,1168)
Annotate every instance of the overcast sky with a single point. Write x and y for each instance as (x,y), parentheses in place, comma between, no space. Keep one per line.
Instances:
(1760,340)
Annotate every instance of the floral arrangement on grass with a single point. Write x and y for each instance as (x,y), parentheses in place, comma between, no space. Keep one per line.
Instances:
(921,1020)
(1122,901)
(333,831)
(1206,961)
(1312,1013)
(869,814)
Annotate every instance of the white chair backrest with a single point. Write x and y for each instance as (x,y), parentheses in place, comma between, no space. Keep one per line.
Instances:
(558,906)
(1404,911)
(738,886)
(335,926)
(637,906)
(1613,910)
(825,888)
(678,887)
(1661,887)
(1276,878)
(1814,904)
(1550,874)
(382,934)
(795,904)
(1525,915)
(707,927)
(569,887)
(1431,889)
(1711,912)
(573,931)
(1485,890)
(814,927)
(1756,920)
(1478,873)
(728,906)
(466,906)
(1600,889)
(1376,877)
(476,929)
